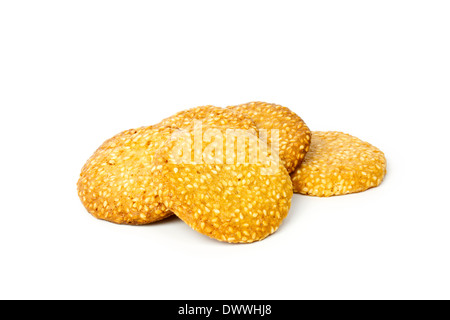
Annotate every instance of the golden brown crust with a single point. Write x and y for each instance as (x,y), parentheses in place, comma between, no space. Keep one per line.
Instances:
(115,185)
(338,164)
(294,135)
(227,201)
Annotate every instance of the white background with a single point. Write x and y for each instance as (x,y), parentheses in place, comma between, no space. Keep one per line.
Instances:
(74,73)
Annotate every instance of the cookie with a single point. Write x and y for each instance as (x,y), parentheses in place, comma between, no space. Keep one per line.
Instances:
(115,185)
(293,140)
(337,164)
(238,199)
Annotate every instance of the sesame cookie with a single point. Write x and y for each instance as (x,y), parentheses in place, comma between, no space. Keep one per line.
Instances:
(338,164)
(238,199)
(115,185)
(293,135)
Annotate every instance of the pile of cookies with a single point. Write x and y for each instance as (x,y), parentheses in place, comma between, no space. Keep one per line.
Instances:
(228,173)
